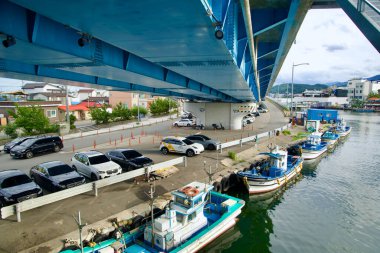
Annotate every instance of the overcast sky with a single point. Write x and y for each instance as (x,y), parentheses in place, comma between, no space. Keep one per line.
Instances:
(334,47)
(329,41)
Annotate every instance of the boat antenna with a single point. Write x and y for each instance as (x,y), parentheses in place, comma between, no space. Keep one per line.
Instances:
(150,194)
(80,227)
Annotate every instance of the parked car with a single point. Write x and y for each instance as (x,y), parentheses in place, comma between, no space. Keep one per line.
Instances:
(180,145)
(183,122)
(207,143)
(254,114)
(129,159)
(262,110)
(249,119)
(94,165)
(16,186)
(55,176)
(38,145)
(8,146)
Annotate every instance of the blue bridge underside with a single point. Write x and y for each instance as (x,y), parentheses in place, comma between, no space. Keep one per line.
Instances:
(162,47)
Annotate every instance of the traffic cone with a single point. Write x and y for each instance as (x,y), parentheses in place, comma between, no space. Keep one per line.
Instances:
(94,144)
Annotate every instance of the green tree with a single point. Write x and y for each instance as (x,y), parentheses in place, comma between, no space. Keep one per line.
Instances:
(72,121)
(357,103)
(11,130)
(121,112)
(143,111)
(100,115)
(163,106)
(373,95)
(31,120)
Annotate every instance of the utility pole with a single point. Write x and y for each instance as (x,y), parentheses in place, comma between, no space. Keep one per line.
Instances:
(294,65)
(150,194)
(67,105)
(138,107)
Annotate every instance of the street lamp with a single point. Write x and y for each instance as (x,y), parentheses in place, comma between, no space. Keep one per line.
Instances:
(291,102)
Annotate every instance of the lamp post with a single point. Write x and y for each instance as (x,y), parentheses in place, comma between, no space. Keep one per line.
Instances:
(291,102)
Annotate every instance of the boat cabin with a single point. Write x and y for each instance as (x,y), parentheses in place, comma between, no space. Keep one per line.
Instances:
(183,218)
(314,139)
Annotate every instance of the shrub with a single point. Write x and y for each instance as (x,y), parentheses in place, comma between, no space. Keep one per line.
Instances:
(232,155)
(143,111)
(52,128)
(72,121)
(286,132)
(100,115)
(11,130)
(121,112)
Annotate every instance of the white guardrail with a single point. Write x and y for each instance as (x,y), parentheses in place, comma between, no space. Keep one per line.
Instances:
(29,204)
(253,138)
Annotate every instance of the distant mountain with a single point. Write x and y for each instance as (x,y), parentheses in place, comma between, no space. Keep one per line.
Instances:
(337,84)
(298,88)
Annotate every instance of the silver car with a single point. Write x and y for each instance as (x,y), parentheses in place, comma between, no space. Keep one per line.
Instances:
(207,143)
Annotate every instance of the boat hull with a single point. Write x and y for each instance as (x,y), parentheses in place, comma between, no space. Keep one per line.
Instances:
(258,186)
(344,134)
(312,154)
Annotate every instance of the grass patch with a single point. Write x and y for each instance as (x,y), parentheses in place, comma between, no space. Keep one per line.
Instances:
(232,155)
(300,135)
(286,132)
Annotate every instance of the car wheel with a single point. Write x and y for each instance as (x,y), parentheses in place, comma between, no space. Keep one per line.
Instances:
(188,125)
(57,148)
(29,154)
(176,125)
(211,147)
(190,153)
(164,151)
(93,177)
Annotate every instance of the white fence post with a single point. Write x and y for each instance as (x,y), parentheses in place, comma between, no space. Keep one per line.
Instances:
(18,212)
(185,161)
(95,189)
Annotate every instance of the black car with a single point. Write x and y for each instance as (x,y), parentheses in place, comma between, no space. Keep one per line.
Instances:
(56,176)
(38,145)
(16,186)
(8,146)
(129,159)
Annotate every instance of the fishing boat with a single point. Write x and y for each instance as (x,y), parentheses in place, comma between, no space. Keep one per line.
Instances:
(313,147)
(271,175)
(342,129)
(196,216)
(331,138)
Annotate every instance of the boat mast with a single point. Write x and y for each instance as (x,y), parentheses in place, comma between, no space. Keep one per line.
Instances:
(150,194)
(80,227)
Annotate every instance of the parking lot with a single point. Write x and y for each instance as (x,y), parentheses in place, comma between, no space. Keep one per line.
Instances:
(55,220)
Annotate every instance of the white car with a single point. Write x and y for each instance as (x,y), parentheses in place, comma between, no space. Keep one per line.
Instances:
(180,145)
(94,165)
(262,110)
(183,122)
(249,119)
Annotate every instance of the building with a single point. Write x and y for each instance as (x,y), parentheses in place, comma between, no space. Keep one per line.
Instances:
(50,96)
(50,108)
(315,93)
(32,88)
(360,88)
(372,104)
(131,99)
(84,94)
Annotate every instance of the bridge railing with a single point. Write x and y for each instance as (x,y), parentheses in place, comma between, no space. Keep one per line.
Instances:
(17,209)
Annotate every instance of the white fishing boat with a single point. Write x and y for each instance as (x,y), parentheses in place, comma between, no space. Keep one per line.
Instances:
(313,147)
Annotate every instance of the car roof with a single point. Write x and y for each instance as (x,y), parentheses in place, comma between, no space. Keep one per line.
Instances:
(9,173)
(91,153)
(51,164)
(122,150)
(174,137)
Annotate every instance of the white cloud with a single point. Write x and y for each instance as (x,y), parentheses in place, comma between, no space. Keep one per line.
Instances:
(334,47)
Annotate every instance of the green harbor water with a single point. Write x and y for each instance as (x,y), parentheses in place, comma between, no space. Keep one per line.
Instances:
(333,207)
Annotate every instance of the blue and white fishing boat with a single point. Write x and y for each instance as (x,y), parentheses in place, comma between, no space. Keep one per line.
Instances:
(342,129)
(195,217)
(331,138)
(313,147)
(277,171)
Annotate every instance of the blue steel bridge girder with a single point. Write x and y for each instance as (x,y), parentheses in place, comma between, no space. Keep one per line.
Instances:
(71,78)
(43,32)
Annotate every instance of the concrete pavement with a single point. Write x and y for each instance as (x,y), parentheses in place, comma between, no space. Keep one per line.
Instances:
(55,220)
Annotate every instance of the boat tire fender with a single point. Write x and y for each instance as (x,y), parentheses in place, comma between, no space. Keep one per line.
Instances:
(217,187)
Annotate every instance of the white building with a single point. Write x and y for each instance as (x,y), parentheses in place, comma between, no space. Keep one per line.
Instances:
(360,88)
(84,94)
(33,88)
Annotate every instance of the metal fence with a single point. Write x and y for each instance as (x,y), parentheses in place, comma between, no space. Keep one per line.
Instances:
(29,204)
(253,138)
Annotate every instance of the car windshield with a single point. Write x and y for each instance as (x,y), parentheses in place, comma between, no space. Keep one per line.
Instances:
(188,142)
(28,142)
(205,137)
(17,140)
(131,154)
(15,180)
(60,169)
(98,159)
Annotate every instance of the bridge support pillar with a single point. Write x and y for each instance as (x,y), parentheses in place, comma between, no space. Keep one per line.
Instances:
(230,115)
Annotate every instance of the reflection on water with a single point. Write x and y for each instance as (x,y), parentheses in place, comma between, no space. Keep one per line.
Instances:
(333,207)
